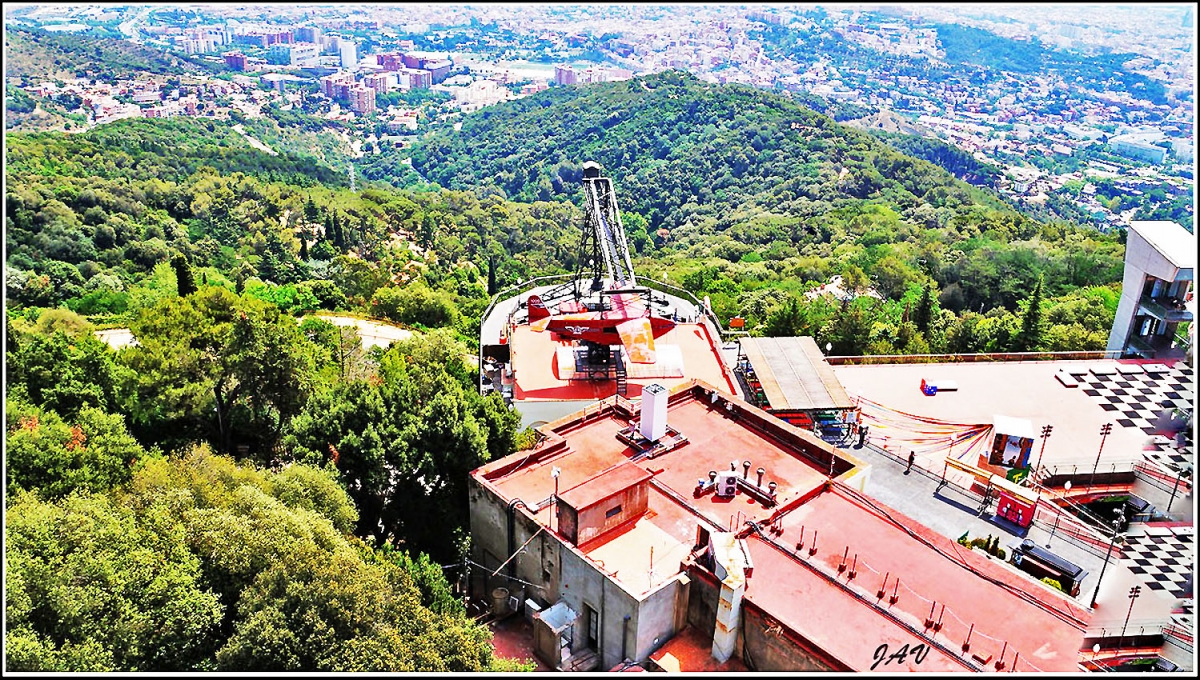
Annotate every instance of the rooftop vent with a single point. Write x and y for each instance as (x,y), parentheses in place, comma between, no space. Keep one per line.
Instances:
(654,412)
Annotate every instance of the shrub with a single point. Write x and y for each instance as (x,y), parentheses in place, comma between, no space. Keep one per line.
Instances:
(1052,583)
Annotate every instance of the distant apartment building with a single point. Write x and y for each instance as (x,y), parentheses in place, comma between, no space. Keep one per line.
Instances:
(264,38)
(347,54)
(414,79)
(564,75)
(390,61)
(235,61)
(380,82)
(406,120)
(310,34)
(1137,148)
(337,86)
(438,69)
(362,99)
(296,54)
(1156,292)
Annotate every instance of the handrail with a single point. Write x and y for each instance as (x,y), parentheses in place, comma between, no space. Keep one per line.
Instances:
(967,358)
(504,295)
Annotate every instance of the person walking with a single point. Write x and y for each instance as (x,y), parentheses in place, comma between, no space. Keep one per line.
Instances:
(912,456)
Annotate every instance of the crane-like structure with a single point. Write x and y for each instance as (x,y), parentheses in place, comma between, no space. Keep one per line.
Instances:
(603,263)
(603,234)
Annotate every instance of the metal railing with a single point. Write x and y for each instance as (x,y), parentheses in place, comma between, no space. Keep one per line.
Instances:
(1161,308)
(968,358)
(505,294)
(1161,479)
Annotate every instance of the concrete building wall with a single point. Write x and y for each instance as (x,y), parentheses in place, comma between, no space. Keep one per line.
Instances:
(1141,259)
(766,646)
(537,564)
(584,587)
(663,613)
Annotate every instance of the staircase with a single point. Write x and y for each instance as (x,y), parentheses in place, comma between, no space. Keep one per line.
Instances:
(621,374)
(581,662)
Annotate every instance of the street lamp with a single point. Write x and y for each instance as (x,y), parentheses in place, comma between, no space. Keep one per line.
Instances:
(1066,488)
(1134,592)
(1046,430)
(1184,471)
(1116,527)
(555,472)
(1105,430)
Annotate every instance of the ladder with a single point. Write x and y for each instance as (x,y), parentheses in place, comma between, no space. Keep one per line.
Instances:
(621,375)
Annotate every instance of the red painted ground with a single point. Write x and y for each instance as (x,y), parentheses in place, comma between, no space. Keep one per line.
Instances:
(512,638)
(690,652)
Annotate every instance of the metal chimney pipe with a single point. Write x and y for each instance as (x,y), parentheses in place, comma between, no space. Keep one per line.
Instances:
(761,472)
(745,469)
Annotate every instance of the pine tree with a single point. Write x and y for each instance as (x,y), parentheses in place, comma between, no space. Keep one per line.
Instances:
(303,247)
(311,211)
(1031,322)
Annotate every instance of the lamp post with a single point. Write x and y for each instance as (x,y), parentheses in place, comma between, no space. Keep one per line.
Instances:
(555,472)
(1111,543)
(1046,429)
(1105,430)
(1066,488)
(1184,471)
(1134,592)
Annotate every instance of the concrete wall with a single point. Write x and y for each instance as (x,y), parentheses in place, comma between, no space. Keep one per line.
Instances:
(661,615)
(537,564)
(768,647)
(593,521)
(584,586)
(703,594)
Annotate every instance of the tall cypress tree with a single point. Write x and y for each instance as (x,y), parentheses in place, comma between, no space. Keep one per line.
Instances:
(1031,321)
(184,280)
(923,314)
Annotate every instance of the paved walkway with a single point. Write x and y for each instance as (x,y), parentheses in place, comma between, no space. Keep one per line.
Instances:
(951,512)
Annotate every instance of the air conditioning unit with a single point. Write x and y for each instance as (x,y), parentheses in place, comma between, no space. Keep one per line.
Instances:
(726,484)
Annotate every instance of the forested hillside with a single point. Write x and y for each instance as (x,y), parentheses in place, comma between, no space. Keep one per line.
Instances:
(752,199)
(34,54)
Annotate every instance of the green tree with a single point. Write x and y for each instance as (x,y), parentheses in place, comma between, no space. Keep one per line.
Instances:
(421,421)
(183,274)
(92,588)
(923,313)
(215,365)
(65,374)
(1030,335)
(92,452)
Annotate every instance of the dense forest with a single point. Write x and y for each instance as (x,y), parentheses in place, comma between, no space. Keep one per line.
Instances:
(234,474)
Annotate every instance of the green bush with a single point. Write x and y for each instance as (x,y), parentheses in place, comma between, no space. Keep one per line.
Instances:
(526,439)
(1052,583)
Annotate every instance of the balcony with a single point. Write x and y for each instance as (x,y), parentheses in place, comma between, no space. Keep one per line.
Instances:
(1170,310)
(1155,347)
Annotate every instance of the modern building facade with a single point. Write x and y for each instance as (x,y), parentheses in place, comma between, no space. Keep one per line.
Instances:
(1156,292)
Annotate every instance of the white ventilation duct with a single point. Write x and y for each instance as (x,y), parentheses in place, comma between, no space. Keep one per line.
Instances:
(654,412)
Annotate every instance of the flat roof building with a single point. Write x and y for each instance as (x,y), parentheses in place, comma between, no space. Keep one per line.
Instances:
(737,541)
